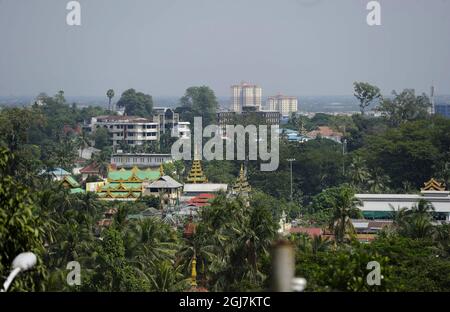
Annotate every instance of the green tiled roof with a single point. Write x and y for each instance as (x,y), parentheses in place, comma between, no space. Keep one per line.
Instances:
(123,175)
(128,185)
(76,190)
(73,183)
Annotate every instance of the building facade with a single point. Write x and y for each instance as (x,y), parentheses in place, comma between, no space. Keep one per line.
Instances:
(140,160)
(182,130)
(166,117)
(131,130)
(285,105)
(245,94)
(381,206)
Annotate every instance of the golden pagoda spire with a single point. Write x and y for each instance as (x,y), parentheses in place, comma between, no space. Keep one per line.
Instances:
(196,173)
(161,170)
(194,272)
(241,185)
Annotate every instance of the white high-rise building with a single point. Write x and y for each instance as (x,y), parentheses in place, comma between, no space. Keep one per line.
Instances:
(286,105)
(245,94)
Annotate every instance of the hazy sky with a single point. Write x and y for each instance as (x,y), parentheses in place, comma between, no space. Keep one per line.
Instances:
(161,47)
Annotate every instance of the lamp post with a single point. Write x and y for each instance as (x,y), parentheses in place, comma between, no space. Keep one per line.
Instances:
(21,263)
(290,160)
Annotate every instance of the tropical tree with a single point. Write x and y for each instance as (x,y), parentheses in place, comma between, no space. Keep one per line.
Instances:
(110,95)
(366,94)
(344,208)
(358,172)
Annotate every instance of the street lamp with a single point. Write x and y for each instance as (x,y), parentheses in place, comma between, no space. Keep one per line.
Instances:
(21,263)
(291,160)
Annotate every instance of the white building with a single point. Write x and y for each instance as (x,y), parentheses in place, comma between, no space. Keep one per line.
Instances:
(140,160)
(182,130)
(245,94)
(381,205)
(286,105)
(129,129)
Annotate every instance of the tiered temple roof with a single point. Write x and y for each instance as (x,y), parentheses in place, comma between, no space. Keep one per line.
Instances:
(196,174)
(433,185)
(126,184)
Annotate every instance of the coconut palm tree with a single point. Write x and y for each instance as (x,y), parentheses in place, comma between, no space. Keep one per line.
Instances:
(110,95)
(358,172)
(344,208)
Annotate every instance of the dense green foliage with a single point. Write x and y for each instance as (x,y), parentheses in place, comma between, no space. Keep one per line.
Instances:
(393,153)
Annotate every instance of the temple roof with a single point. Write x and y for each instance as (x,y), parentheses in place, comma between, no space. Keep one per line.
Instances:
(165,182)
(433,185)
(196,173)
(133,175)
(70,181)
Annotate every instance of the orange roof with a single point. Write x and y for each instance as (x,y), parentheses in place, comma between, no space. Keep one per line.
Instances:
(309,231)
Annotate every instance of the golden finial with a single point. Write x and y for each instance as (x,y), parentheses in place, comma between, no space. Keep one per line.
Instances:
(194,271)
(161,170)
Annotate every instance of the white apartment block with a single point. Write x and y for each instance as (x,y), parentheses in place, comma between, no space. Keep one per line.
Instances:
(245,94)
(283,104)
(130,129)
(182,130)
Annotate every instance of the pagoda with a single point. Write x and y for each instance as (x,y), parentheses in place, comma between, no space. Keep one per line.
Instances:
(196,174)
(241,186)
(433,185)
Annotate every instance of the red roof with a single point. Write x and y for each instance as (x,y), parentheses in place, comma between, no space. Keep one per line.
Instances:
(92,168)
(201,200)
(309,231)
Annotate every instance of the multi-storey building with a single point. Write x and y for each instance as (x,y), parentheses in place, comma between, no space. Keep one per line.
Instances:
(245,94)
(129,129)
(247,115)
(286,105)
(182,130)
(166,117)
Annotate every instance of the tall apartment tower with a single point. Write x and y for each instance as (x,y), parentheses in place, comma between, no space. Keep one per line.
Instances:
(283,104)
(245,94)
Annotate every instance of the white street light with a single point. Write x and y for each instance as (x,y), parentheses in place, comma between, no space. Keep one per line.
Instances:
(21,263)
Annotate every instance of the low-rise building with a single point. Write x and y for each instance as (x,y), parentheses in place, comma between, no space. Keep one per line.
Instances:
(327,133)
(382,206)
(140,160)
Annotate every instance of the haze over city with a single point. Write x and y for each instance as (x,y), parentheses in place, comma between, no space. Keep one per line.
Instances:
(162,47)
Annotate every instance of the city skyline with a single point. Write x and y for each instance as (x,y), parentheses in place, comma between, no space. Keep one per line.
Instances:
(163,47)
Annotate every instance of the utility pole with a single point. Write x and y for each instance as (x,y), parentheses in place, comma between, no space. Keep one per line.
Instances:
(291,160)
(344,147)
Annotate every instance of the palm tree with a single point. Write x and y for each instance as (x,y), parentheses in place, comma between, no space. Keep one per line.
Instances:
(344,207)
(82,142)
(318,244)
(358,171)
(110,95)
(102,161)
